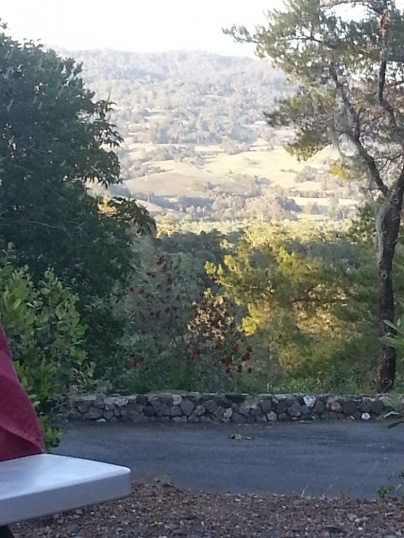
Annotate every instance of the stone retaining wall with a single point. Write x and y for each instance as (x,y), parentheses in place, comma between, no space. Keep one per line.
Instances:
(235,408)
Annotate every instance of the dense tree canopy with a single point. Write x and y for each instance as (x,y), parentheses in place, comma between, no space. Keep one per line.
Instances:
(183,97)
(55,140)
(349,65)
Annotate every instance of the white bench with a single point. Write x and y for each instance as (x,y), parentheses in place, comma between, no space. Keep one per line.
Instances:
(42,485)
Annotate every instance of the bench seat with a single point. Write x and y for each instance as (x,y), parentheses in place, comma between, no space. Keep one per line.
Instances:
(46,484)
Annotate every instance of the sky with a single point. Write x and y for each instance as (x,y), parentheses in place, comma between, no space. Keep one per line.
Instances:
(135,25)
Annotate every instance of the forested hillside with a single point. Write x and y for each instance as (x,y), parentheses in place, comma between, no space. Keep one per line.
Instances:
(184,97)
(196,144)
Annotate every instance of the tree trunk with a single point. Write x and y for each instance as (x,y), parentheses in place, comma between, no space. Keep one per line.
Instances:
(390,229)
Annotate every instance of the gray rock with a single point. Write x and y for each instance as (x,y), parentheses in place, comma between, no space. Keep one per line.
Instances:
(155,401)
(176,411)
(237,418)
(179,419)
(207,420)
(294,410)
(177,399)
(83,408)
(304,410)
(194,418)
(334,405)
(165,398)
(243,410)
(141,418)
(75,415)
(348,407)
(200,410)
(357,415)
(210,406)
(261,418)
(149,411)
(142,399)
(254,406)
(86,398)
(194,397)
(236,398)
(291,400)
(108,415)
(94,413)
(131,411)
(319,407)
(163,411)
(366,405)
(109,403)
(377,407)
(207,396)
(228,414)
(163,419)
(101,420)
(281,407)
(219,412)
(99,402)
(272,417)
(266,405)
(365,416)
(187,407)
(309,400)
(120,401)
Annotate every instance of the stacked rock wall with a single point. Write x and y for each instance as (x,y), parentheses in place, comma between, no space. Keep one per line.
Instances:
(222,408)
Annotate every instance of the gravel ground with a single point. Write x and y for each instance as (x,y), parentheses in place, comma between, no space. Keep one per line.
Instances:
(160,510)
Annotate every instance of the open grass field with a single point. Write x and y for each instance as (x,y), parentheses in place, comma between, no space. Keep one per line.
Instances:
(217,171)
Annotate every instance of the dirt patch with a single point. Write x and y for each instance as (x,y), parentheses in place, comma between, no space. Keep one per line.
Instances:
(159,510)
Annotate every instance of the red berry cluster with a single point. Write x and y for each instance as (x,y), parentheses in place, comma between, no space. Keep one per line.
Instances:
(233,366)
(213,321)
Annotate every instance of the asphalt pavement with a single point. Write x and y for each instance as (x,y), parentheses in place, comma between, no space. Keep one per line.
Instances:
(320,458)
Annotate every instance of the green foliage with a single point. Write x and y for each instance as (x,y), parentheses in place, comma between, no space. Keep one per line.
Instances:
(385,491)
(43,326)
(309,306)
(56,139)
(390,491)
(180,334)
(177,83)
(350,71)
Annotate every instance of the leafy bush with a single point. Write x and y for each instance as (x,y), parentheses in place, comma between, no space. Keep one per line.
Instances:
(180,335)
(44,331)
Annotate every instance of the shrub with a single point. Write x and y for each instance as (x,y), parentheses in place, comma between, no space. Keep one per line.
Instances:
(44,331)
(179,335)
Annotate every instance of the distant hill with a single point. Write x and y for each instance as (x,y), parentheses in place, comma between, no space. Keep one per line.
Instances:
(184,97)
(196,145)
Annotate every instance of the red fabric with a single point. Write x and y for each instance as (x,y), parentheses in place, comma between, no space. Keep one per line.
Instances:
(20,432)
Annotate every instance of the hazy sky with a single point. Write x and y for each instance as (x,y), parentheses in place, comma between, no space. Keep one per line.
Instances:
(138,25)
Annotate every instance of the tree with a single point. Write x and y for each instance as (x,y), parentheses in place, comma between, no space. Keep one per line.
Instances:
(349,68)
(311,208)
(308,302)
(55,140)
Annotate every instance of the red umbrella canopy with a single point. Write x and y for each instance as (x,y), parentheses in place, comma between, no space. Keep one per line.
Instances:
(20,432)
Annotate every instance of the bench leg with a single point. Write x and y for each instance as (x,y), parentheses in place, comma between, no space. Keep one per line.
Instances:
(6,533)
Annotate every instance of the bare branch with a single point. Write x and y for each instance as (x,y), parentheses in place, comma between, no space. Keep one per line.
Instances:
(377,6)
(384,25)
(395,84)
(355,136)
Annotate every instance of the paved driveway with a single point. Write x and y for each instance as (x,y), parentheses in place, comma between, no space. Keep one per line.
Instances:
(327,458)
